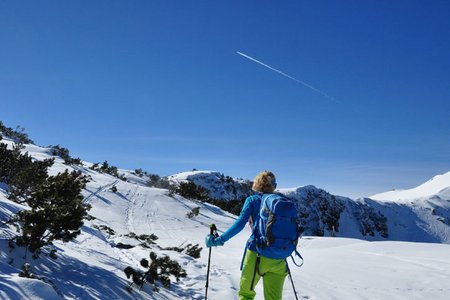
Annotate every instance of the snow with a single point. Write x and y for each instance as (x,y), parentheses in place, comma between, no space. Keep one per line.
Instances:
(354,269)
(91,267)
(438,185)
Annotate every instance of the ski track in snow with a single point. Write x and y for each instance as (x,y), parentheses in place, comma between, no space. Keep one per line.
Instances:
(99,191)
(131,196)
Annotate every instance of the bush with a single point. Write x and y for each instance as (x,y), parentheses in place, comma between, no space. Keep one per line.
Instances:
(231,206)
(65,155)
(139,172)
(105,228)
(52,254)
(160,269)
(147,237)
(57,211)
(153,180)
(28,179)
(193,250)
(193,213)
(18,135)
(95,167)
(124,246)
(156,181)
(106,168)
(111,170)
(20,172)
(61,152)
(26,271)
(190,190)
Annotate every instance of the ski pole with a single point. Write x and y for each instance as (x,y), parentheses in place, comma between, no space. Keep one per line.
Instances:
(292,281)
(212,231)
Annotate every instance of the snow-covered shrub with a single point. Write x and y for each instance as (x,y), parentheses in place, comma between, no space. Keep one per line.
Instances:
(56,211)
(106,168)
(159,269)
(105,228)
(190,190)
(193,250)
(193,213)
(65,155)
(20,172)
(139,172)
(18,134)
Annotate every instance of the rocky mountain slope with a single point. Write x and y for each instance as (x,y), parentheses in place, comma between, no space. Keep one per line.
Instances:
(421,214)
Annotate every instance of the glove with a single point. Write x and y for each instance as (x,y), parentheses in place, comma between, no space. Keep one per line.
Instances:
(212,241)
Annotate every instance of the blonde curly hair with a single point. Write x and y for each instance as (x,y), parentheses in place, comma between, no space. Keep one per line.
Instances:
(264,182)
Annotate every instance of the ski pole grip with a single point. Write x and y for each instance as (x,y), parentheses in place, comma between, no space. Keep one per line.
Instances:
(212,229)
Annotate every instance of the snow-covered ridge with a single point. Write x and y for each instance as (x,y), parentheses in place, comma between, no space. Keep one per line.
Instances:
(437,186)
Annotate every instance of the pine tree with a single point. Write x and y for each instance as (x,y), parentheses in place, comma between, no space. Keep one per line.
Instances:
(57,211)
(190,190)
(29,175)
(20,172)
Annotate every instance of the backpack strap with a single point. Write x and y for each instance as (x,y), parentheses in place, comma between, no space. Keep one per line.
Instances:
(243,256)
(255,224)
(293,260)
(257,262)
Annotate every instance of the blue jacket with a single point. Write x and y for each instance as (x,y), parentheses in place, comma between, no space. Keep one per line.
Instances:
(250,211)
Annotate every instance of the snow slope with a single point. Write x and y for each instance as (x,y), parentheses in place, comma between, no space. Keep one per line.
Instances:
(91,266)
(437,186)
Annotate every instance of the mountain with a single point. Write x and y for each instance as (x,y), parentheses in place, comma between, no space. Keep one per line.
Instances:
(422,215)
(130,219)
(437,187)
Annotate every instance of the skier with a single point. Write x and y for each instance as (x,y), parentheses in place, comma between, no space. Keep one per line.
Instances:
(274,271)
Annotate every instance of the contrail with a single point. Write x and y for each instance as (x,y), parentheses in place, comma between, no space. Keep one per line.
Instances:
(288,76)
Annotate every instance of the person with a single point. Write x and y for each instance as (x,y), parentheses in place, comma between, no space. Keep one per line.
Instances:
(273,271)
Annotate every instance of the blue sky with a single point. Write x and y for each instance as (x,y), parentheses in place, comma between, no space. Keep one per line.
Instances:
(159,85)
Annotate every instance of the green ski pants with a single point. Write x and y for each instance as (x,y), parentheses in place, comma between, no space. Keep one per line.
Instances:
(273,271)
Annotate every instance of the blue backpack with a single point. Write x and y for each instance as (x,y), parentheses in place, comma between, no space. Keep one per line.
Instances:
(277,229)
